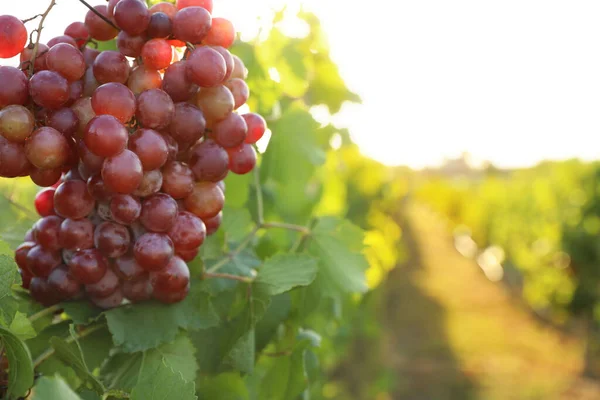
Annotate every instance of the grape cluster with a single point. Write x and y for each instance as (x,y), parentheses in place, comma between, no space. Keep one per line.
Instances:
(132,147)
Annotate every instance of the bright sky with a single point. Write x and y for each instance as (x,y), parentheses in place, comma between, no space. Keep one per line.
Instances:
(513,82)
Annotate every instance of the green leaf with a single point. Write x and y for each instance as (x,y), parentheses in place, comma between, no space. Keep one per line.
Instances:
(73,357)
(9,275)
(162,383)
(5,249)
(328,86)
(225,386)
(286,378)
(237,223)
(20,374)
(21,326)
(55,388)
(338,245)
(122,370)
(8,309)
(81,312)
(241,264)
(284,272)
(276,313)
(242,355)
(144,326)
(237,188)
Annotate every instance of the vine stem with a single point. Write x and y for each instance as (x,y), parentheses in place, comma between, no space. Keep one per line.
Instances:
(234,253)
(39,33)
(46,311)
(80,335)
(92,9)
(284,225)
(259,196)
(211,275)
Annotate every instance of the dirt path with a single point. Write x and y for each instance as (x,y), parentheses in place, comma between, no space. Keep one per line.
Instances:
(447,332)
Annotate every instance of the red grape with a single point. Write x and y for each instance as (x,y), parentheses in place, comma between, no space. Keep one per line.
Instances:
(111,66)
(46,177)
(228,57)
(47,148)
(112,301)
(173,278)
(67,61)
(76,234)
(78,31)
(49,89)
(26,278)
(64,39)
(122,173)
(129,45)
(191,24)
(41,261)
(44,202)
(159,212)
(256,127)
(132,16)
(231,132)
(206,67)
(114,99)
(40,57)
(14,88)
(167,8)
(98,28)
(209,161)
(138,290)
(21,254)
(143,78)
(212,224)
(206,4)
(172,145)
(160,25)
(188,124)
(188,255)
(111,8)
(63,120)
(125,209)
(221,33)
(150,147)
(171,297)
(155,109)
(97,188)
(47,230)
(92,162)
(72,200)
(188,232)
(84,111)
(206,200)
(88,266)
(61,281)
(151,183)
(239,69)
(240,91)
(89,82)
(42,292)
(128,269)
(216,103)
(112,239)
(176,83)
(105,136)
(178,180)
(13,159)
(16,123)
(157,53)
(106,286)
(153,251)
(13,36)
(90,55)
(242,159)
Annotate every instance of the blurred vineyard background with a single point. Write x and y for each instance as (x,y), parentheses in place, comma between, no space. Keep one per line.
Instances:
(483,283)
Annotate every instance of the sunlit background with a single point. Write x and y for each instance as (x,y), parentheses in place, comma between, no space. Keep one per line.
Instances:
(513,82)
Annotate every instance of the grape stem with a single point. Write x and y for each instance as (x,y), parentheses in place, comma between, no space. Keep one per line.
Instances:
(46,311)
(80,335)
(209,275)
(92,9)
(31,19)
(39,33)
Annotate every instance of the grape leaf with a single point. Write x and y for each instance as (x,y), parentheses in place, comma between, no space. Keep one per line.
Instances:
(225,386)
(73,357)
(286,377)
(122,370)
(20,374)
(160,382)
(21,326)
(241,264)
(143,326)
(8,309)
(283,272)
(54,388)
(242,355)
(81,312)
(276,313)
(9,276)
(338,246)
(237,223)
(238,188)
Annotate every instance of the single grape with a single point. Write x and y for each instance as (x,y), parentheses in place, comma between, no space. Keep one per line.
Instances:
(112,239)
(14,88)
(88,266)
(40,57)
(72,200)
(13,36)
(47,148)
(176,83)
(173,278)
(242,159)
(125,209)
(63,120)
(130,45)
(157,53)
(78,31)
(171,297)
(128,269)
(72,175)
(41,261)
(150,147)
(105,136)
(89,82)
(108,302)
(191,24)
(172,145)
(16,123)
(42,292)
(143,78)
(155,109)
(62,282)
(76,234)
(239,69)
(111,8)
(206,67)
(206,200)
(159,212)
(84,111)
(188,124)
(152,251)
(111,66)
(103,211)
(122,173)
(114,99)
(21,254)
(138,290)
(49,89)
(231,132)
(98,28)
(228,57)
(151,183)
(132,16)
(167,8)
(62,39)
(188,232)
(46,177)
(216,103)
(93,163)
(67,60)
(44,202)
(105,286)
(13,159)
(160,25)
(29,235)
(209,161)
(221,33)
(240,91)
(75,92)
(187,255)
(256,127)
(26,278)
(47,230)
(212,224)
(206,4)
(90,54)
(178,180)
